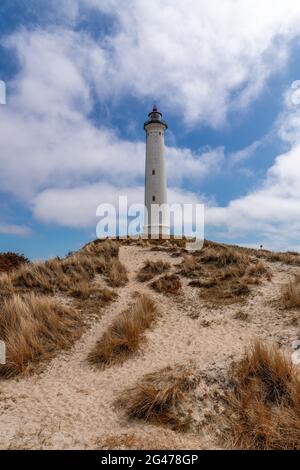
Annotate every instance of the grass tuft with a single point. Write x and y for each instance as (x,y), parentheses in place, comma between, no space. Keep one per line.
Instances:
(71,276)
(241,315)
(124,335)
(152,269)
(224,273)
(290,295)
(263,406)
(116,273)
(160,398)
(10,261)
(34,328)
(167,284)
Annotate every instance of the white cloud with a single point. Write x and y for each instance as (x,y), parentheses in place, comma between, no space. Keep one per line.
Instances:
(272,211)
(198,58)
(52,156)
(185,165)
(76,207)
(240,156)
(11,229)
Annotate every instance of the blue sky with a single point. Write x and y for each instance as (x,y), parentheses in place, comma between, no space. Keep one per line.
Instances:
(81,77)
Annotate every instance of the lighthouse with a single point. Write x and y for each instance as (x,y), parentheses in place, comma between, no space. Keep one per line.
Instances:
(156,216)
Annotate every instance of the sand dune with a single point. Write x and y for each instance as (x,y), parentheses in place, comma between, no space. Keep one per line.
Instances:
(71,403)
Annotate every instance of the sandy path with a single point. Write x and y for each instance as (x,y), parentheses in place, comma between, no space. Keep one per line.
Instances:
(70,405)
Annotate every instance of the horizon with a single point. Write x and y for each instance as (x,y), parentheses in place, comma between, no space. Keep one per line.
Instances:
(81,78)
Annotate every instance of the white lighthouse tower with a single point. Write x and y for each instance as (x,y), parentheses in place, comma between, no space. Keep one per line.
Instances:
(156,222)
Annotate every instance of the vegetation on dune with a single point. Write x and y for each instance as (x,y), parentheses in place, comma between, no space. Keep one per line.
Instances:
(45,308)
(124,336)
(72,275)
(290,295)
(34,328)
(224,274)
(34,324)
(289,257)
(152,269)
(262,408)
(160,398)
(190,267)
(107,248)
(116,273)
(167,284)
(10,261)
(242,316)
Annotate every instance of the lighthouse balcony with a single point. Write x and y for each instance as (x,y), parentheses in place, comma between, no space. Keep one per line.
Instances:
(155,121)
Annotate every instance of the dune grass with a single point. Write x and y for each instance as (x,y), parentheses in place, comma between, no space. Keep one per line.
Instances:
(124,336)
(151,269)
(34,324)
(224,274)
(34,328)
(160,398)
(262,408)
(289,258)
(290,294)
(10,261)
(116,273)
(167,284)
(190,267)
(72,275)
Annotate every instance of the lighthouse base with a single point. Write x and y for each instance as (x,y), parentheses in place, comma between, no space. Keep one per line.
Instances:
(157,231)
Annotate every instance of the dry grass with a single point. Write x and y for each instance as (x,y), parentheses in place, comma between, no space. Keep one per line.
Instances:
(160,398)
(263,408)
(106,248)
(190,267)
(290,296)
(57,275)
(170,242)
(241,315)
(173,244)
(222,257)
(225,274)
(116,273)
(34,328)
(72,275)
(286,258)
(105,295)
(10,261)
(167,284)
(289,257)
(258,270)
(6,285)
(152,269)
(124,335)
(82,290)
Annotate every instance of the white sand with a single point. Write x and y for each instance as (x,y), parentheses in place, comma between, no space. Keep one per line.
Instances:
(70,405)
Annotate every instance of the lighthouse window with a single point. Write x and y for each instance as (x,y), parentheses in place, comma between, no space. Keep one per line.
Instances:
(153,198)
(153,172)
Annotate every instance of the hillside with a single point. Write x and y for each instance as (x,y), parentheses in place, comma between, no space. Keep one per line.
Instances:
(132,345)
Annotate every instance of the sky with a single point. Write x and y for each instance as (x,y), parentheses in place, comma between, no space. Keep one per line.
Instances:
(81,77)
